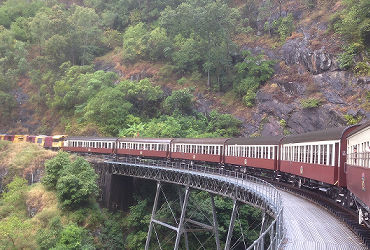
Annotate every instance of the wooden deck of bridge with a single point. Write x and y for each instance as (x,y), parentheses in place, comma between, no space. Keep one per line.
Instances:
(309,226)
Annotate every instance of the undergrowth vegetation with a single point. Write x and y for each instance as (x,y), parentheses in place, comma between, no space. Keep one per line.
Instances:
(353,24)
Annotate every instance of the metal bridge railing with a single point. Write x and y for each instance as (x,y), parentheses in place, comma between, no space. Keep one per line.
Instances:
(274,232)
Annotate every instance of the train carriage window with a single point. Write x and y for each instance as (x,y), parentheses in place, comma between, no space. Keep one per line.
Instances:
(301,153)
(330,155)
(315,154)
(265,153)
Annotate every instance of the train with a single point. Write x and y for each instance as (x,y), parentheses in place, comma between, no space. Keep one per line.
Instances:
(335,161)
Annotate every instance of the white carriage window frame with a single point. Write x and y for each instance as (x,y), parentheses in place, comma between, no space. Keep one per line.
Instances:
(197,148)
(322,152)
(251,151)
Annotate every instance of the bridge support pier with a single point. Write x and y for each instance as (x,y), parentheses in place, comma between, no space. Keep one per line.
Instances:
(181,228)
(231,225)
(215,224)
(153,215)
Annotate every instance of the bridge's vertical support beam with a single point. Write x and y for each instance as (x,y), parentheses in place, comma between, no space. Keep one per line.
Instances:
(263,222)
(180,228)
(215,224)
(231,225)
(153,215)
(185,233)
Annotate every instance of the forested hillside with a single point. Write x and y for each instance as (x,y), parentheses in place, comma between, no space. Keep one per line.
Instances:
(183,68)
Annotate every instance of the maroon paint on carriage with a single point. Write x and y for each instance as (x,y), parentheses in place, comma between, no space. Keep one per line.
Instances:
(31,138)
(252,162)
(145,153)
(196,157)
(358,182)
(317,172)
(89,150)
(8,137)
(48,142)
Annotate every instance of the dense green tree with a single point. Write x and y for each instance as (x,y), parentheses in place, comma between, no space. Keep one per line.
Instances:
(76,184)
(135,42)
(53,169)
(112,233)
(48,237)
(7,106)
(74,237)
(13,9)
(251,72)
(110,114)
(15,233)
(78,85)
(201,28)
(159,44)
(86,33)
(188,53)
(137,223)
(144,97)
(12,59)
(180,101)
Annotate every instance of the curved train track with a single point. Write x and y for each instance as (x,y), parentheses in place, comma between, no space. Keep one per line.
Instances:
(348,216)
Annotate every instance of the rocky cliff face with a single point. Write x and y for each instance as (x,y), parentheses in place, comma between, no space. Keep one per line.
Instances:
(307,68)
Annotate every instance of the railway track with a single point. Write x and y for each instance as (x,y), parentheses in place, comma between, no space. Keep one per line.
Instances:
(349,217)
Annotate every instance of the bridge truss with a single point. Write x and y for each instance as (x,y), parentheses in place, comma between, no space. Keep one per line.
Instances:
(240,187)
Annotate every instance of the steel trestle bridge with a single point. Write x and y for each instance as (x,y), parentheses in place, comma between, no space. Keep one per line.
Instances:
(240,187)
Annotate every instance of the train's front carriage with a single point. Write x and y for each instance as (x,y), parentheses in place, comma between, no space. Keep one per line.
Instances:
(198,149)
(2,137)
(259,152)
(58,141)
(358,169)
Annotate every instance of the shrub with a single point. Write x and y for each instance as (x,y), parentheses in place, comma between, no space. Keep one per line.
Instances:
(310,103)
(347,58)
(283,123)
(76,184)
(362,69)
(53,168)
(182,81)
(180,101)
(74,237)
(352,120)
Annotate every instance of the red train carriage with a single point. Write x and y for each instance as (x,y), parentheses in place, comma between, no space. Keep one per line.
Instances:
(318,155)
(146,147)
(259,152)
(200,149)
(94,145)
(48,142)
(358,169)
(8,138)
(31,138)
